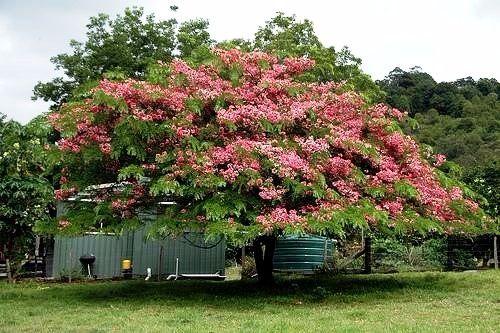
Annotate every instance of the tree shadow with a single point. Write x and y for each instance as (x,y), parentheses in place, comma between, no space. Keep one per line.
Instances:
(249,294)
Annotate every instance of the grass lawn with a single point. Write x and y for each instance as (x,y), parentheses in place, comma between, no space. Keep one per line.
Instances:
(410,302)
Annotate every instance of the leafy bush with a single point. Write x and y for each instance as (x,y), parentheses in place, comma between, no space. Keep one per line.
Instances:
(390,255)
(71,274)
(462,259)
(434,253)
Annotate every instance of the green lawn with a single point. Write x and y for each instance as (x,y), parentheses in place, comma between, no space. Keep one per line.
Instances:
(412,302)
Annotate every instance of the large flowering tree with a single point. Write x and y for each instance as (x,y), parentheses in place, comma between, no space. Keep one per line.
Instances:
(247,148)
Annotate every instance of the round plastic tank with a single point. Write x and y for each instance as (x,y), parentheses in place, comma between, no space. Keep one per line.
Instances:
(302,254)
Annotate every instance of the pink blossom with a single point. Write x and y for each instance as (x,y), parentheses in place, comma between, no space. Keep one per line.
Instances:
(393,207)
(439,160)
(280,217)
(271,193)
(455,193)
(63,224)
(339,167)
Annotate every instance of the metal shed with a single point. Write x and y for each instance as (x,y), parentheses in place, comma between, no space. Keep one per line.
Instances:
(195,255)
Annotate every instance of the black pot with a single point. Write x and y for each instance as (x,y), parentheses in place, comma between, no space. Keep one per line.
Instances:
(87,259)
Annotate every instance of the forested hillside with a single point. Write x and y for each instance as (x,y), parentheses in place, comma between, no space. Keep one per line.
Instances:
(460,119)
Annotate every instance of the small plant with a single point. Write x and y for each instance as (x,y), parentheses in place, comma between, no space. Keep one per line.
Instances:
(70,274)
(319,294)
(249,269)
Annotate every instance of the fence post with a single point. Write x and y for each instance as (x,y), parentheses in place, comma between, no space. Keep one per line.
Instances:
(495,251)
(368,255)
(243,255)
(160,259)
(449,253)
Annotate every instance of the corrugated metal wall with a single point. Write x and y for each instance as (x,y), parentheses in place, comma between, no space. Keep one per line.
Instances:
(109,250)
(195,256)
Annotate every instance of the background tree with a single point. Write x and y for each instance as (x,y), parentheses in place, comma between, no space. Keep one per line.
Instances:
(25,194)
(284,36)
(127,45)
(249,150)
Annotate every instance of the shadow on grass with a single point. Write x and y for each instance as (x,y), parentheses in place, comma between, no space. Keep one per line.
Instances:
(245,294)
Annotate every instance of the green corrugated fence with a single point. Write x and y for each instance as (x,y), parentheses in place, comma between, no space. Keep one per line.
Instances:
(195,255)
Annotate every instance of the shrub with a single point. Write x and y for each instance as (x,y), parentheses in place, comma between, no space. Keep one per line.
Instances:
(391,255)
(71,274)
(388,255)
(248,270)
(434,253)
(462,259)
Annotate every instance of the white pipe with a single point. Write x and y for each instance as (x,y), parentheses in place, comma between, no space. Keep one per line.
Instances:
(148,270)
(176,275)
(176,268)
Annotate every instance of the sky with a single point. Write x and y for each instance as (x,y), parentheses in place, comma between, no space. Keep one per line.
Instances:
(449,39)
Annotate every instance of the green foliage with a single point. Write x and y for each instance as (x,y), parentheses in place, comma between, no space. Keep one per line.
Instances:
(405,189)
(463,259)
(157,74)
(485,179)
(164,186)
(193,35)
(101,98)
(25,192)
(286,36)
(131,171)
(434,252)
(127,44)
(397,255)
(71,274)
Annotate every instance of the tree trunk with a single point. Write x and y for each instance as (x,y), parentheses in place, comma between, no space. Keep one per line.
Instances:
(264,258)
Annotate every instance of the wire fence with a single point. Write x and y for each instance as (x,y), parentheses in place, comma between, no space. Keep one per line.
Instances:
(388,255)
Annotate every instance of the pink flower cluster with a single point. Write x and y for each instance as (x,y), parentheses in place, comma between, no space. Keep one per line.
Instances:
(63,224)
(311,146)
(338,167)
(279,218)
(63,194)
(271,193)
(439,160)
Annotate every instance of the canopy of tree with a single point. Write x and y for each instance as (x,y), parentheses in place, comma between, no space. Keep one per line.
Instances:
(245,148)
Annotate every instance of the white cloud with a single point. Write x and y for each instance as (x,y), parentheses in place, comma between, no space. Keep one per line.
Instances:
(447,38)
